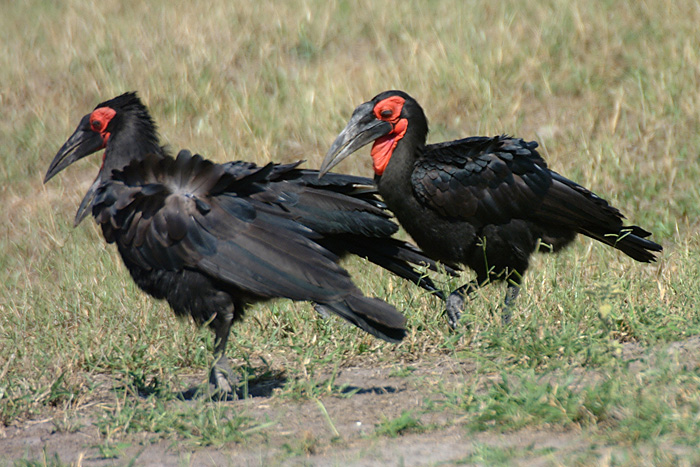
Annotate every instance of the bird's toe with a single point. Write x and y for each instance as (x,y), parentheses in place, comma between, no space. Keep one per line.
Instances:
(454,306)
(506,315)
(222,381)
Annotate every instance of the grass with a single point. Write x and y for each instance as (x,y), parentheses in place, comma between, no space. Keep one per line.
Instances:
(599,345)
(489,455)
(625,406)
(404,423)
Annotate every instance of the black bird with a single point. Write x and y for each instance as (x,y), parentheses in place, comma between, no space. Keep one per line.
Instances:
(486,202)
(211,238)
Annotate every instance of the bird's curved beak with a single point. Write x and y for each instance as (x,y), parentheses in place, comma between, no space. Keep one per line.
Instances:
(82,142)
(362,129)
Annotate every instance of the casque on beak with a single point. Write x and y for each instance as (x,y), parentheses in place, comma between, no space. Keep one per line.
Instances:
(362,129)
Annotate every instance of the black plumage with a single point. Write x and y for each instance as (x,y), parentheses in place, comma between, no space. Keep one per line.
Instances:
(486,202)
(211,238)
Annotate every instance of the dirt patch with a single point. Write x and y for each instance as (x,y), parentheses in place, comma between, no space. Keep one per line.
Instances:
(330,429)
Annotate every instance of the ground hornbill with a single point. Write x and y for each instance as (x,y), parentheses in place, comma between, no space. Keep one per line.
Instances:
(486,202)
(210,238)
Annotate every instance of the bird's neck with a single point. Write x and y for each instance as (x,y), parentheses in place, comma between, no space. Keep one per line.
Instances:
(395,183)
(132,143)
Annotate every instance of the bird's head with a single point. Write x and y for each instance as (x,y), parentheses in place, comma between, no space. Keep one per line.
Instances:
(98,130)
(94,131)
(383,120)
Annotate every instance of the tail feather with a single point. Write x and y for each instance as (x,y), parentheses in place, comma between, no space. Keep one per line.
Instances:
(371,315)
(572,206)
(399,258)
(630,240)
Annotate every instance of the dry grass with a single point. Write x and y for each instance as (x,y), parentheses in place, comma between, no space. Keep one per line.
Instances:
(610,89)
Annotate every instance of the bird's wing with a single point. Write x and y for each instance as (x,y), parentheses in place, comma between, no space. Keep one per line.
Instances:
(494,180)
(346,210)
(191,213)
(481,179)
(335,204)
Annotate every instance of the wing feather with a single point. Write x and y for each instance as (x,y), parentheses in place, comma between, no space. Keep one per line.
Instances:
(482,180)
(153,210)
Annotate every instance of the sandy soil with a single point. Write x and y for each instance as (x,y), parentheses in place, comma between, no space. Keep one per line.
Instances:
(301,434)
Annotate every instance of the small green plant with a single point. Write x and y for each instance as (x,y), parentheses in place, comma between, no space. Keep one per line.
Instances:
(484,454)
(404,423)
(305,445)
(47,460)
(111,450)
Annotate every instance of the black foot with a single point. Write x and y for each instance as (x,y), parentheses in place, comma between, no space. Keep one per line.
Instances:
(457,302)
(454,305)
(222,381)
(506,314)
(511,294)
(322,311)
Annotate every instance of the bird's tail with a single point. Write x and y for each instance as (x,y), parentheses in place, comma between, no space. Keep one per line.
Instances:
(631,240)
(570,205)
(399,258)
(371,315)
(345,209)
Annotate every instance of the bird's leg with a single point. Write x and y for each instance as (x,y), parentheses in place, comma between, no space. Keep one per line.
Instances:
(511,294)
(456,302)
(322,311)
(221,375)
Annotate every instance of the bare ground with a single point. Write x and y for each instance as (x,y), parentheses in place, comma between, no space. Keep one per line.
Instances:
(302,434)
(299,433)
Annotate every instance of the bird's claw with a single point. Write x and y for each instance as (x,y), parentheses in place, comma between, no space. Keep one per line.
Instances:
(453,309)
(322,311)
(222,382)
(506,314)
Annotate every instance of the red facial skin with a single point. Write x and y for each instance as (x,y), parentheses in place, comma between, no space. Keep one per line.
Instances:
(99,119)
(388,110)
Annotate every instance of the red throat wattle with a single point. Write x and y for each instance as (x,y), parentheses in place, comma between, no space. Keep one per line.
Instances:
(388,110)
(384,146)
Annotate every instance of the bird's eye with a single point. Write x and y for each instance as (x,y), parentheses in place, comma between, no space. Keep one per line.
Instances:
(389,109)
(100,119)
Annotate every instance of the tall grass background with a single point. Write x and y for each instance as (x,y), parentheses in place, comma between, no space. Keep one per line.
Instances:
(609,89)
